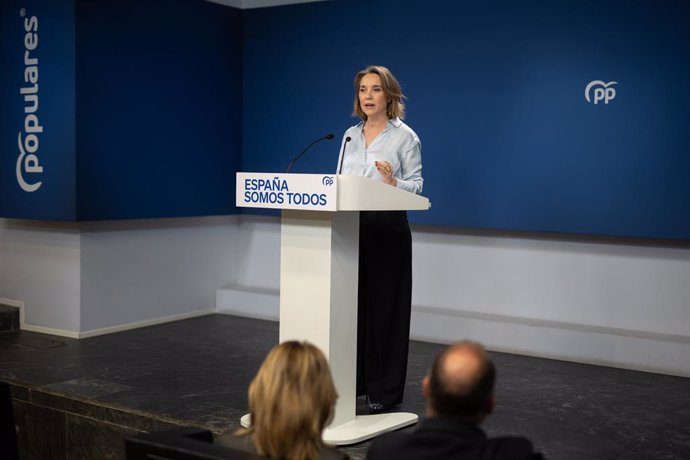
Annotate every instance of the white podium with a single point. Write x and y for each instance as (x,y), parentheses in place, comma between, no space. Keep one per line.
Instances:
(319,275)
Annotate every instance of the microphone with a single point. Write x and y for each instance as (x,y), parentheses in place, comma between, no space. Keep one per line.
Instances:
(342,154)
(328,136)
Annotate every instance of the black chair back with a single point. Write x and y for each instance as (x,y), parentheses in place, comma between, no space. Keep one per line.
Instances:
(8,432)
(181,444)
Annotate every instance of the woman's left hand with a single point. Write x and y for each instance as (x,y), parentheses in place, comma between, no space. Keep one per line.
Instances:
(386,170)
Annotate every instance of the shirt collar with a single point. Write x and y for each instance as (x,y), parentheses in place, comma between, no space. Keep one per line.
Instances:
(394,122)
(397,122)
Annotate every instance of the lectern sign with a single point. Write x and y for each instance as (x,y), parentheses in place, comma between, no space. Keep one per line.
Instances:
(316,192)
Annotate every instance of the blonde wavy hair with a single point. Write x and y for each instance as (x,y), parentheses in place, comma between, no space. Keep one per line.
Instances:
(391,88)
(291,400)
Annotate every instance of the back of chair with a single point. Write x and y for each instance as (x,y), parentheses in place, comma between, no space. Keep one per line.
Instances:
(181,444)
(8,432)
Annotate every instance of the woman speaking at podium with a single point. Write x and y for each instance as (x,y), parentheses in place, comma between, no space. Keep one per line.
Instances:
(382,148)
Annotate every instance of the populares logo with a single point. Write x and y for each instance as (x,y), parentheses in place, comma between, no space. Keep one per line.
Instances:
(28,138)
(600,91)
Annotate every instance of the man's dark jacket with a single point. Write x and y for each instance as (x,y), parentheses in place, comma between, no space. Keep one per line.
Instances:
(440,438)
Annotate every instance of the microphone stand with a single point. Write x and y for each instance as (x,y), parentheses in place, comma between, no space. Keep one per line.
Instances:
(342,154)
(328,136)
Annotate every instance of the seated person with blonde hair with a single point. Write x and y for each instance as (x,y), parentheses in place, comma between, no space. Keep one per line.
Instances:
(291,400)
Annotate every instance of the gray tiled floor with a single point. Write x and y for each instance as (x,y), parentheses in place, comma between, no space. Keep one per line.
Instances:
(198,370)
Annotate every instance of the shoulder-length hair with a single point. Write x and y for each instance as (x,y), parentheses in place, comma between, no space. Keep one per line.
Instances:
(291,400)
(391,88)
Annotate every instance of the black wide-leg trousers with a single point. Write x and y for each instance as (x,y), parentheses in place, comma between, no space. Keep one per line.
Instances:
(384,304)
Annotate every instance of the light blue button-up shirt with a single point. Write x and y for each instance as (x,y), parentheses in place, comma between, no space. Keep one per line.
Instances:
(396,144)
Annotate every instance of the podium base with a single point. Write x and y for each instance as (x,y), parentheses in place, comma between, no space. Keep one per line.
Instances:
(360,429)
(365,427)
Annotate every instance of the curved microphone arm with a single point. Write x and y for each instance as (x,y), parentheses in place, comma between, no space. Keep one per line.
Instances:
(328,136)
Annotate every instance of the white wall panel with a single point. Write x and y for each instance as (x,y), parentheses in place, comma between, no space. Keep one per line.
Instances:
(40,267)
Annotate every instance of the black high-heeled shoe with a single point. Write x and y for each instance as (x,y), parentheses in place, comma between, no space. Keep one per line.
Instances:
(377,408)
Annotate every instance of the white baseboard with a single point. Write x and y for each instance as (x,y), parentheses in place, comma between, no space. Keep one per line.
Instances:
(118,328)
(146,323)
(50,331)
(588,344)
(606,346)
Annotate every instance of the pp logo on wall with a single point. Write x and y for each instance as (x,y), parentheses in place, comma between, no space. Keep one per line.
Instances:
(28,139)
(597,91)
(38,167)
(27,161)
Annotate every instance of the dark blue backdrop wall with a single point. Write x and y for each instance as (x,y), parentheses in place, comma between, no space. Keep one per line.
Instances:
(139,107)
(148,107)
(159,103)
(497,95)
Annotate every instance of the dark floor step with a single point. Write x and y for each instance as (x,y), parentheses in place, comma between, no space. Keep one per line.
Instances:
(9,319)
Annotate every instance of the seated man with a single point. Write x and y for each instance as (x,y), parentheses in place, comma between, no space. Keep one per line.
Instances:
(459,394)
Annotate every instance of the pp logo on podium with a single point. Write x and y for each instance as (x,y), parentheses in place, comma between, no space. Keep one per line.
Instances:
(600,91)
(327,180)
